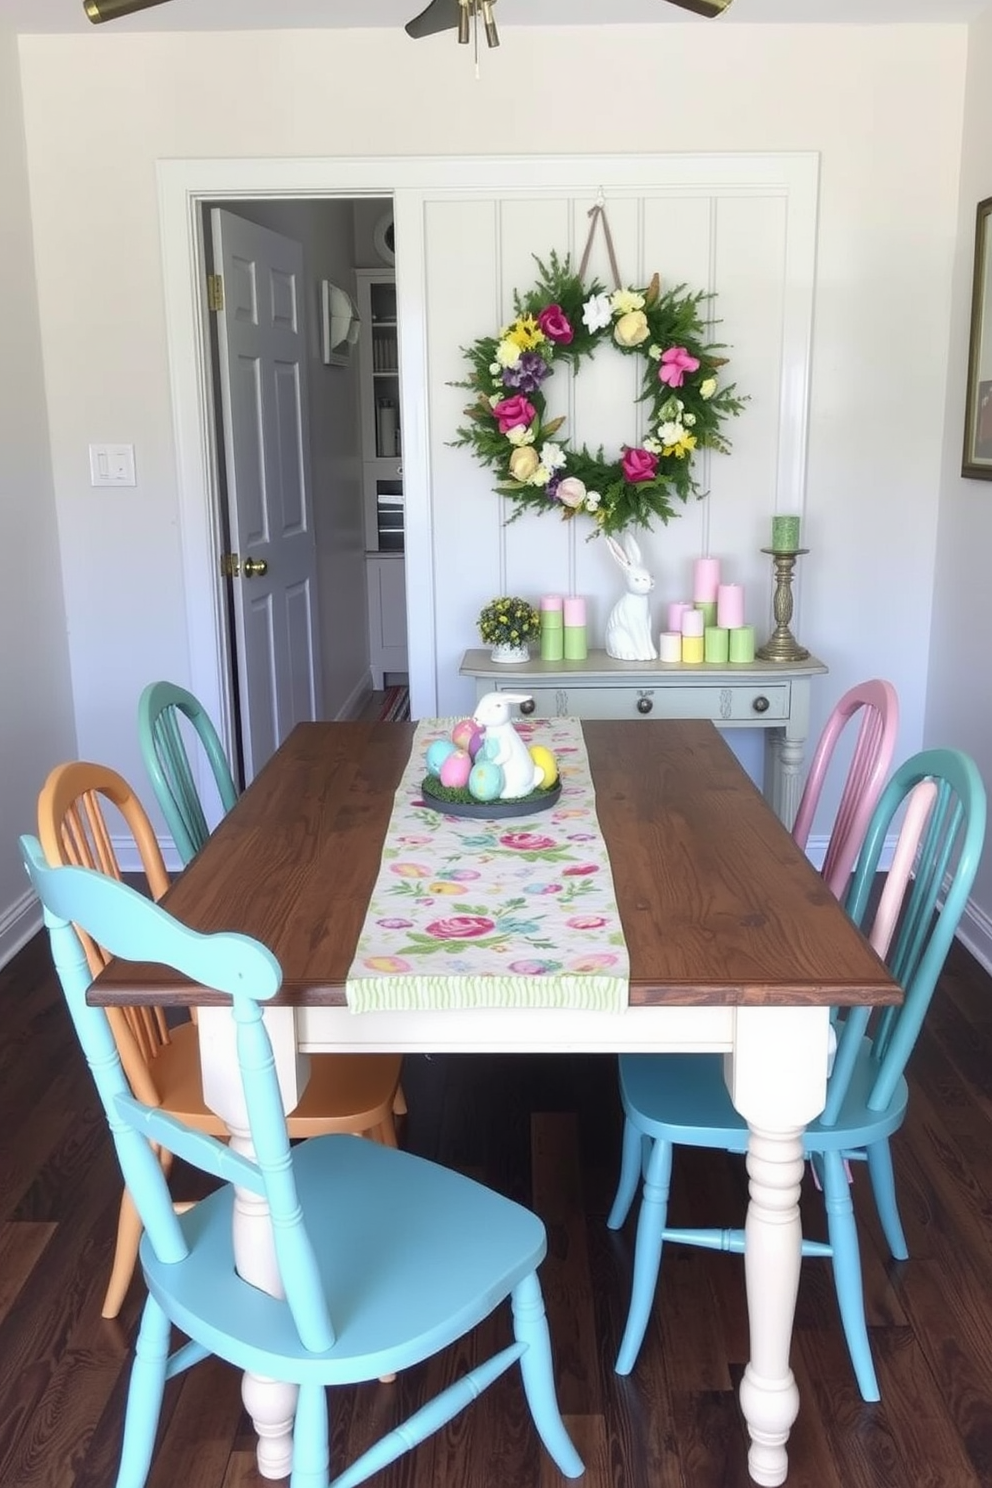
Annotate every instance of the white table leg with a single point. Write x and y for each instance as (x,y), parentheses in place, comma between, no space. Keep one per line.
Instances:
(270,1403)
(776,1075)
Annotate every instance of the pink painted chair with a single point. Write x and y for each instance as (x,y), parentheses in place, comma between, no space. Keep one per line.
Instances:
(878,706)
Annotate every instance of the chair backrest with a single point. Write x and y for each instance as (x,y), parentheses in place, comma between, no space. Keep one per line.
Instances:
(878,706)
(135,929)
(953,834)
(160,708)
(74,832)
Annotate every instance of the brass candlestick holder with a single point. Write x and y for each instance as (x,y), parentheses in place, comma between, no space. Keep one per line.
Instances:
(782,645)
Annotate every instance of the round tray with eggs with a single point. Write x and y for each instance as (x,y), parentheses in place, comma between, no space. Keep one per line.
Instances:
(466,775)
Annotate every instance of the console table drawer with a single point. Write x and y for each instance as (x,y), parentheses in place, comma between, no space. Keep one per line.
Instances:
(738,705)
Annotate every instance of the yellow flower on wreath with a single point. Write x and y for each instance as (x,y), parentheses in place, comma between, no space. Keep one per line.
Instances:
(681,447)
(525,333)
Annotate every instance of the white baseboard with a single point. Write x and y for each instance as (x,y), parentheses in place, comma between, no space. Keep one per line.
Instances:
(354,704)
(17,925)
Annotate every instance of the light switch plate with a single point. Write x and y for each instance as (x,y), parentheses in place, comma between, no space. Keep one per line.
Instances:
(112,465)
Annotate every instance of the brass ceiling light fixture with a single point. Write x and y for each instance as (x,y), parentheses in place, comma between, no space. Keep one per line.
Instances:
(109,10)
(447,15)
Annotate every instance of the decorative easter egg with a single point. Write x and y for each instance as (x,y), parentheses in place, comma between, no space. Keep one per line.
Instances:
(456,769)
(461,734)
(485,781)
(437,753)
(476,742)
(545,760)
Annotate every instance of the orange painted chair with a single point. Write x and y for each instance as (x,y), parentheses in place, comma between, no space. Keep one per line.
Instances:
(346,1092)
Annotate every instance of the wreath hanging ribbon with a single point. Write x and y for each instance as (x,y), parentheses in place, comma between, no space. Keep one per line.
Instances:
(563,321)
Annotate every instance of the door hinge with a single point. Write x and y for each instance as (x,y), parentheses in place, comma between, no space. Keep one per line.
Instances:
(230,565)
(215,291)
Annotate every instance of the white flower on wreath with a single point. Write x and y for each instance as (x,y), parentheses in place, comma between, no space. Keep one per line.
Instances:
(670,432)
(654,446)
(496,398)
(654,352)
(540,477)
(707,387)
(593,498)
(521,434)
(688,419)
(571,492)
(495,369)
(625,300)
(508,353)
(553,456)
(597,312)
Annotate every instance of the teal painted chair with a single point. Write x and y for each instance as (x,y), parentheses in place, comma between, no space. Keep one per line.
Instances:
(671,1100)
(385,1258)
(161,709)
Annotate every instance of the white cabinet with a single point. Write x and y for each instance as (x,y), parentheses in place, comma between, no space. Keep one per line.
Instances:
(383,471)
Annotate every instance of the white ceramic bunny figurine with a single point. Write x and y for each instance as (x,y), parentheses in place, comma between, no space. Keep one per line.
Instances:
(520,774)
(628,630)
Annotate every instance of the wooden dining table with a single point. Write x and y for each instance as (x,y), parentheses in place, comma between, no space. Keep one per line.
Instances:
(735,944)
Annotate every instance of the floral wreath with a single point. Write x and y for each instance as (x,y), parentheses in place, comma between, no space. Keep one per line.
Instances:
(562,320)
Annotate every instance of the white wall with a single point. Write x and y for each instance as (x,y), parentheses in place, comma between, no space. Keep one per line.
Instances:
(36,713)
(959,696)
(886,249)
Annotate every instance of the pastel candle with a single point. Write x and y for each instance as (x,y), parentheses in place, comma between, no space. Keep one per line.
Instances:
(551,603)
(730,606)
(785,534)
(742,644)
(693,624)
(670,645)
(716,643)
(707,608)
(676,610)
(705,578)
(692,649)
(575,610)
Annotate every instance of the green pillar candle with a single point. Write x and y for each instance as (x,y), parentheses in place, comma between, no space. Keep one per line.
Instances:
(741,643)
(552,635)
(785,534)
(708,607)
(716,643)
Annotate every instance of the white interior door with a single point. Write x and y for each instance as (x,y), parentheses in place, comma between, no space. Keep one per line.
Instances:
(262,364)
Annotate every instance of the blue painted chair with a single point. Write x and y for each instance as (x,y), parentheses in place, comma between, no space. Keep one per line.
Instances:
(161,709)
(671,1100)
(446,1250)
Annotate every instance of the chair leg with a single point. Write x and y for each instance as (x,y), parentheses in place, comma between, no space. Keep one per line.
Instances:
(630,1174)
(847,1272)
(129,1229)
(399,1102)
(144,1396)
(311,1456)
(647,1253)
(530,1326)
(883,1186)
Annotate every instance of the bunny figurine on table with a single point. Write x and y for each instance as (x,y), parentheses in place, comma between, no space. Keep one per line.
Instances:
(504,746)
(628,630)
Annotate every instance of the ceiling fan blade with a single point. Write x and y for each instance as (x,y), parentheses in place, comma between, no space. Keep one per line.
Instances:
(708,8)
(440,15)
(109,10)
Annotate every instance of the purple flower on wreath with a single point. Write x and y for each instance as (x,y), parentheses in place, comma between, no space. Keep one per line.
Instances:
(554,481)
(528,372)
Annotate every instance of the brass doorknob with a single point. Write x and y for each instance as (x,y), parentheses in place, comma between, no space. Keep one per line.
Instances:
(254,568)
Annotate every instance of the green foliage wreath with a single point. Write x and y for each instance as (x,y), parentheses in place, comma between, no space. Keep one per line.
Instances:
(562,320)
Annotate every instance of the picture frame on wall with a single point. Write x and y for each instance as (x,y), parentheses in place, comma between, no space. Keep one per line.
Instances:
(977,459)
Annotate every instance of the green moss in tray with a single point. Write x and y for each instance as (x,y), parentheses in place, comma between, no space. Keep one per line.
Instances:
(462,796)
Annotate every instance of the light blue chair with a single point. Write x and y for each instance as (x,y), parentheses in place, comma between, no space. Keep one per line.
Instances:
(161,708)
(671,1100)
(385,1258)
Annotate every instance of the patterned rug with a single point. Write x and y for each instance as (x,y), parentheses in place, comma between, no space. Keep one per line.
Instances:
(396,705)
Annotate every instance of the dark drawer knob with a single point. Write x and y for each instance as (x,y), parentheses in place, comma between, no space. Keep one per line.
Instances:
(760,705)
(644,705)
(528,705)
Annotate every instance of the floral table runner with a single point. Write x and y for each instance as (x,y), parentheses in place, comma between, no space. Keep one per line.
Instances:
(482,913)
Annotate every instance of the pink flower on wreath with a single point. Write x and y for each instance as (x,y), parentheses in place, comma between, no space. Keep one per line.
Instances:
(461,927)
(554,323)
(512,412)
(639,465)
(675,363)
(526,841)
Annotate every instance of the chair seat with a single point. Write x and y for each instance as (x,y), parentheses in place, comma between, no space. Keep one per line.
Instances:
(683,1099)
(411,1255)
(354,1089)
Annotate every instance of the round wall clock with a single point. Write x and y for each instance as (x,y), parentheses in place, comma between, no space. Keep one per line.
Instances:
(383,238)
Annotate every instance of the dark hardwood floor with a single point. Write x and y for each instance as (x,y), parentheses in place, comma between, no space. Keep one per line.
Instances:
(546,1131)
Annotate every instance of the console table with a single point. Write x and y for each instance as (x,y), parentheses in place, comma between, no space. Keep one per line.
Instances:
(759,694)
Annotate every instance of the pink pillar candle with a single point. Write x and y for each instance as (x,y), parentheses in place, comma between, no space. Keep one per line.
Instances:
(730,606)
(551,602)
(676,610)
(575,610)
(693,624)
(705,578)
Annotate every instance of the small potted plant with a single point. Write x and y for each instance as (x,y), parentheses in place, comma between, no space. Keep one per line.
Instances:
(507,624)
